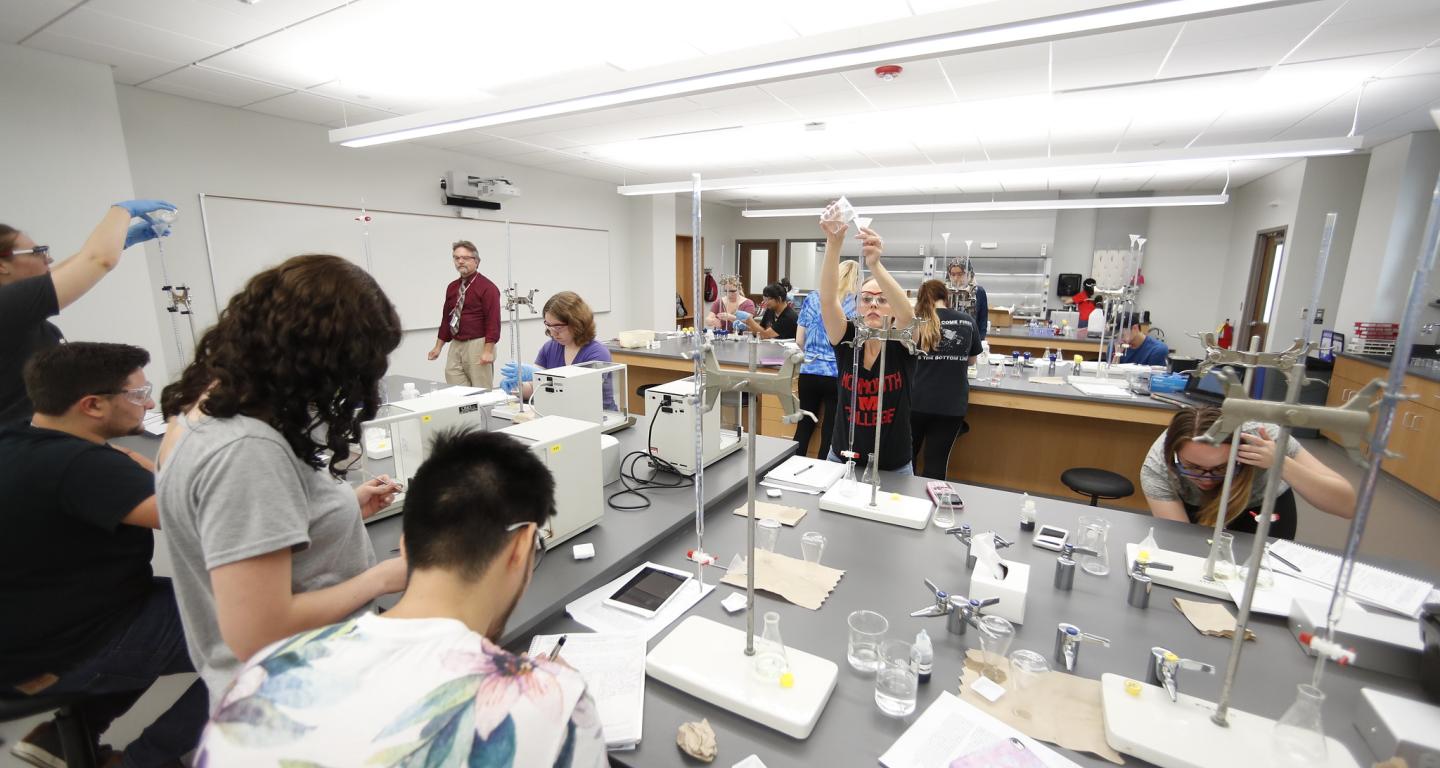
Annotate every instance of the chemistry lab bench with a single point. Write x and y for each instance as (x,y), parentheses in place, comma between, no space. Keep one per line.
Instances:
(1004,340)
(885,566)
(619,537)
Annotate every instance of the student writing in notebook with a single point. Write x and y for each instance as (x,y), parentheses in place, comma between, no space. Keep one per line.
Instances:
(1182,479)
(426,683)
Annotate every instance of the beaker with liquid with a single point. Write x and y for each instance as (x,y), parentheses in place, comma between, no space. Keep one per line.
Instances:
(897,680)
(996,634)
(1094,535)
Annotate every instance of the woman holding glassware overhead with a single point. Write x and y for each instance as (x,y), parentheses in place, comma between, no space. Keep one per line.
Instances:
(881,300)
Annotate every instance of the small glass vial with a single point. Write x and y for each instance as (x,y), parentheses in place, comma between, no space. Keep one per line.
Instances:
(771,664)
(923,654)
(1027,514)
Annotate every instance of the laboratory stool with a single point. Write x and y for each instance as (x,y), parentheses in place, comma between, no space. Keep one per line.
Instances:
(76,739)
(1096,483)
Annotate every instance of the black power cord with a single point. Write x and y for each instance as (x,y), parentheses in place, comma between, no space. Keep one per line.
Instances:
(658,466)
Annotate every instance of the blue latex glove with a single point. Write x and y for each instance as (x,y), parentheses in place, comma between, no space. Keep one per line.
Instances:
(741,316)
(512,374)
(140,232)
(138,208)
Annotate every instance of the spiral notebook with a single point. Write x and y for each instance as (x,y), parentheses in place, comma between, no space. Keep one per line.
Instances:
(1369,585)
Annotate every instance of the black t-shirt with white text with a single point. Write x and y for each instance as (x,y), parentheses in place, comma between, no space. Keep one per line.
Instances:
(70,571)
(895,448)
(942,385)
(24,307)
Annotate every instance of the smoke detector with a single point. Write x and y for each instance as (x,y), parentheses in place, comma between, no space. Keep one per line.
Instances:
(888,72)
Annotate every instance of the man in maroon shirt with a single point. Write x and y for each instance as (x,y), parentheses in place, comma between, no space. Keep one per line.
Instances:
(470,322)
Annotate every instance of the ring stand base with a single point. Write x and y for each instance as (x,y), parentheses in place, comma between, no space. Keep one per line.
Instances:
(1189,573)
(849,497)
(1179,734)
(707,660)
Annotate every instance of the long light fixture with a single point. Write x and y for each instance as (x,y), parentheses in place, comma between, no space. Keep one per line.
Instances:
(940,173)
(450,120)
(1004,205)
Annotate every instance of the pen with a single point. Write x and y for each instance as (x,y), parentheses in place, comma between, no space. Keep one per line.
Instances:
(555,652)
(1287,563)
(801,471)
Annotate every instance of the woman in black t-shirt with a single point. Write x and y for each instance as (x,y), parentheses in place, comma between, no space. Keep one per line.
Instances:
(779,319)
(950,341)
(881,298)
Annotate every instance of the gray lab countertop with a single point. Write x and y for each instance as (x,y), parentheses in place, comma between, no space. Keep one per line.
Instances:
(1430,374)
(619,538)
(884,567)
(729,350)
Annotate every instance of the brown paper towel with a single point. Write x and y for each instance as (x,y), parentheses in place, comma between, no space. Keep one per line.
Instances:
(763,509)
(802,583)
(1064,709)
(1211,619)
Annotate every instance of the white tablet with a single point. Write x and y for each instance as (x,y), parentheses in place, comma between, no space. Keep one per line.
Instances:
(647,592)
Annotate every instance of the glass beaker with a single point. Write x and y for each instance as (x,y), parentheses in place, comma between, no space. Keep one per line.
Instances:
(770,660)
(812,546)
(867,629)
(1225,557)
(1094,535)
(767,532)
(1300,733)
(1027,667)
(996,634)
(897,681)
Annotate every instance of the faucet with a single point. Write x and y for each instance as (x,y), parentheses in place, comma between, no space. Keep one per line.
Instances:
(1068,638)
(965,535)
(960,612)
(1139,594)
(1164,668)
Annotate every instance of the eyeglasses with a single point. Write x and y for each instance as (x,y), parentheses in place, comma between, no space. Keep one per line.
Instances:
(43,251)
(875,299)
(732,290)
(136,395)
(1189,470)
(556,326)
(539,542)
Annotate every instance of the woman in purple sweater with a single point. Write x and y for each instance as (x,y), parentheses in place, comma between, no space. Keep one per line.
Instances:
(570,324)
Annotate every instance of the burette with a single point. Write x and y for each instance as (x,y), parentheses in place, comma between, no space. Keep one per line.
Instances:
(161,221)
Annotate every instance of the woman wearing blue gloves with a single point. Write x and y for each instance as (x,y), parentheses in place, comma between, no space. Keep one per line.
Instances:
(570,324)
(31,292)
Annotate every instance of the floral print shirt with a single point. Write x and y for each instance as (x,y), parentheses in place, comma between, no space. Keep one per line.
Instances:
(375,691)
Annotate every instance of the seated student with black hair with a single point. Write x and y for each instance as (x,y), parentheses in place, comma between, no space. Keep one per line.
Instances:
(85,613)
(779,320)
(1143,349)
(426,683)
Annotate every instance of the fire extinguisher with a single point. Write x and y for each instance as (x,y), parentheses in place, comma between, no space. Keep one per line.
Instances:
(1227,334)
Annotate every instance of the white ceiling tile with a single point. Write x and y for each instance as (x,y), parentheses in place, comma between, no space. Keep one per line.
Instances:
(265,17)
(359,115)
(814,17)
(818,106)
(116,32)
(730,97)
(1373,35)
(274,61)
(217,87)
(220,24)
(129,67)
(1417,63)
(1108,44)
(450,140)
(23,17)
(808,86)
(757,113)
(904,95)
(310,108)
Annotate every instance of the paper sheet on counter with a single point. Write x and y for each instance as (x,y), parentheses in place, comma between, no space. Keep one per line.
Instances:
(1064,709)
(1278,598)
(614,670)
(787,515)
(951,731)
(1211,619)
(802,583)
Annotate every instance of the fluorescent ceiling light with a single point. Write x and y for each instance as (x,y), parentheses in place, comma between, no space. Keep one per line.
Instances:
(449,120)
(957,173)
(1005,205)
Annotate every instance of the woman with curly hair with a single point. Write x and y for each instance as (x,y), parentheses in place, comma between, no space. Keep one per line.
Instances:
(265,537)
(732,305)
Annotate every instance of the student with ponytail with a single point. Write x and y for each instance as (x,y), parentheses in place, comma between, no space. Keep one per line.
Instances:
(950,340)
(1182,479)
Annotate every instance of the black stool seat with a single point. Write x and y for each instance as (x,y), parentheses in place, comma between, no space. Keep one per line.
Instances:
(76,740)
(1097,483)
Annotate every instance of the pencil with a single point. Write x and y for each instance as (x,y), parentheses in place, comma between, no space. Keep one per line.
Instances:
(555,652)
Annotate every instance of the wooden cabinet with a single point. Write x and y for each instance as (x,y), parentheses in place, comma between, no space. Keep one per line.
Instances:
(1415,433)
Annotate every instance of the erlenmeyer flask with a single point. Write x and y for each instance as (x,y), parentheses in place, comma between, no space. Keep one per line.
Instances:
(1300,733)
(770,659)
(1225,557)
(1266,579)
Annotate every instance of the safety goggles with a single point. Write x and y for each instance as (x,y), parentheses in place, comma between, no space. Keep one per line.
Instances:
(136,395)
(43,251)
(874,299)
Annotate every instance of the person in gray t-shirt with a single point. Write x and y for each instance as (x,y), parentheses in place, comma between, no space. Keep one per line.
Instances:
(1182,478)
(264,540)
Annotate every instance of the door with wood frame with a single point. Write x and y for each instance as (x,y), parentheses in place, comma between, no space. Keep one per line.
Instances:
(759,262)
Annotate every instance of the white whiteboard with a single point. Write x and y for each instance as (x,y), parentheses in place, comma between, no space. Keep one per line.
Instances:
(409,252)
